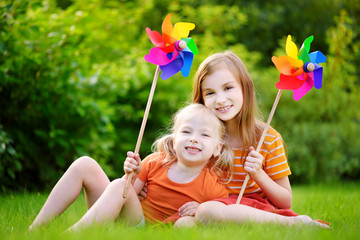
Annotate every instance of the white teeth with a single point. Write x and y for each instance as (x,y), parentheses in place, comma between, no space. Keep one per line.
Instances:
(192,149)
(223,108)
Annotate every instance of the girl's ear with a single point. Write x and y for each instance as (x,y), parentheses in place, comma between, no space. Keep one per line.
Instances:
(218,149)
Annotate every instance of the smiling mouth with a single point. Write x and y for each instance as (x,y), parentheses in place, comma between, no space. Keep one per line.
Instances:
(193,149)
(223,109)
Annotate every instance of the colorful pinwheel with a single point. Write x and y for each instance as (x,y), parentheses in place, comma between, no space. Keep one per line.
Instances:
(299,71)
(173,50)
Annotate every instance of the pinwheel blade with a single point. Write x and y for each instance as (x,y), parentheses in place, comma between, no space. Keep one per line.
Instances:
(284,66)
(305,49)
(172,68)
(317,57)
(305,88)
(188,57)
(291,48)
(167,29)
(296,63)
(190,43)
(289,82)
(182,30)
(159,57)
(155,38)
(317,76)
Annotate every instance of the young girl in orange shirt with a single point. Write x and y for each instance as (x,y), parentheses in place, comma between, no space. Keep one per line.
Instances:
(184,169)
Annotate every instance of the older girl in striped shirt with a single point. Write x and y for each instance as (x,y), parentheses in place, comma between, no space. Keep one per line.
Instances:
(223,84)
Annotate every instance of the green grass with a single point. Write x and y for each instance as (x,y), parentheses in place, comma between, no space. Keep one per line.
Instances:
(338,204)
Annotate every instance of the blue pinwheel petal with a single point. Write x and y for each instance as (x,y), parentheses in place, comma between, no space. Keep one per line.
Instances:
(317,57)
(188,57)
(172,68)
(317,73)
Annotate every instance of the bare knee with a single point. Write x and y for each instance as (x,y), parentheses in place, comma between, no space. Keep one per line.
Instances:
(209,212)
(84,164)
(187,221)
(84,161)
(118,186)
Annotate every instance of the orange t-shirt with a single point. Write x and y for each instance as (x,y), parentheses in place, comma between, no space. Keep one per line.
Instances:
(275,164)
(165,197)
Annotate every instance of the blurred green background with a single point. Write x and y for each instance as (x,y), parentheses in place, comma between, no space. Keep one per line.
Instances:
(73,81)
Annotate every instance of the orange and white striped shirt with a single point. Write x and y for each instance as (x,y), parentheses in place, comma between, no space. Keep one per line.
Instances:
(275,164)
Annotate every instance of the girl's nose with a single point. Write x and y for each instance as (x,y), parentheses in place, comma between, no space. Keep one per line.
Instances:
(220,99)
(193,139)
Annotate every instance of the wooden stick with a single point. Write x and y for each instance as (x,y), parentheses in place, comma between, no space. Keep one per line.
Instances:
(142,129)
(260,142)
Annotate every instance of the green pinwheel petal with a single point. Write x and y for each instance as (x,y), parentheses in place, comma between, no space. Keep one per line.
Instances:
(191,45)
(305,49)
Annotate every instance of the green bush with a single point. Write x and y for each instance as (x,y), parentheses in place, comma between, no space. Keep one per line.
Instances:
(73,81)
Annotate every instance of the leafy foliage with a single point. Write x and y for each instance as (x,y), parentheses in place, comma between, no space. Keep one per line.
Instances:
(73,81)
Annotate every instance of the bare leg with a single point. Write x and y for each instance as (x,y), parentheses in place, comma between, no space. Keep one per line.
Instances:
(112,205)
(187,221)
(217,212)
(84,172)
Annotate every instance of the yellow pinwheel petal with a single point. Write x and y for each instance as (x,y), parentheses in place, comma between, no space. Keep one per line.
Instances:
(291,48)
(182,30)
(296,63)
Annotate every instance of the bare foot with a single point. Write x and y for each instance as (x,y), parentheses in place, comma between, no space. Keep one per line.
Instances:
(309,222)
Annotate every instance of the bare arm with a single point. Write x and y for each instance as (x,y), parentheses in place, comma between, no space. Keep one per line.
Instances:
(277,191)
(138,185)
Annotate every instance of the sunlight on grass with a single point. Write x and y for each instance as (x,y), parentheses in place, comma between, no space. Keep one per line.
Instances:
(338,204)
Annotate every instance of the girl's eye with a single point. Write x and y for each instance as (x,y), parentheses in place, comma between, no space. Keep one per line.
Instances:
(208,93)
(185,131)
(206,135)
(228,87)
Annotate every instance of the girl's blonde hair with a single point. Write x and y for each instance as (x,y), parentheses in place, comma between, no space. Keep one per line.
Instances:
(220,165)
(249,127)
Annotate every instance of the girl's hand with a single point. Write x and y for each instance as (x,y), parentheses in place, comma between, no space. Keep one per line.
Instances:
(132,163)
(253,163)
(189,209)
(143,193)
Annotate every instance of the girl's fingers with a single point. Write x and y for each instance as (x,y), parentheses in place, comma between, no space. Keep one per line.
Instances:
(190,212)
(187,205)
(132,161)
(188,209)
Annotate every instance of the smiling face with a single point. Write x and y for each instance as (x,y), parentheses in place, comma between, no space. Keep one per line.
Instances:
(197,138)
(223,94)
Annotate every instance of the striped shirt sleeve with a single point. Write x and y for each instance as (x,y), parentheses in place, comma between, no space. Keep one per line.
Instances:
(275,162)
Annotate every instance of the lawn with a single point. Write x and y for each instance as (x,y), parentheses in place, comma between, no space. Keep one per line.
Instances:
(337,203)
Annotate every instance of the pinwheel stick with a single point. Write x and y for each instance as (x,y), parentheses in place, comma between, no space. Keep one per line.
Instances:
(143,124)
(261,142)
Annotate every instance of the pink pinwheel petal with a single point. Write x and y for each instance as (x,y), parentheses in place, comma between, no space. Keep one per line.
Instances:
(155,38)
(289,82)
(305,88)
(172,68)
(159,57)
